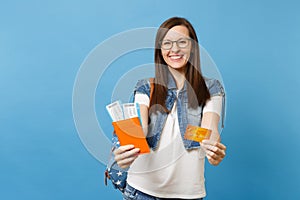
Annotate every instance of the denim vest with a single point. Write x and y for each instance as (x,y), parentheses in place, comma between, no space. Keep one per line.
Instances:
(185,114)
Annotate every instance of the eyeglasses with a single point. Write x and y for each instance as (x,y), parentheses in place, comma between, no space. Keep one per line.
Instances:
(181,43)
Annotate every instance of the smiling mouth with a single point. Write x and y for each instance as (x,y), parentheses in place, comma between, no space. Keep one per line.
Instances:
(176,57)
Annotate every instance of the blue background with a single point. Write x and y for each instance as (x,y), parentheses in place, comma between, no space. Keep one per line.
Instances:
(255,44)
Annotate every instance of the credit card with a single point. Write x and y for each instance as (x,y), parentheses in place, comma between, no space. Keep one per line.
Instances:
(196,133)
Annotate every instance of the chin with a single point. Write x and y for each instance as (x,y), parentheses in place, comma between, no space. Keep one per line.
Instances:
(177,65)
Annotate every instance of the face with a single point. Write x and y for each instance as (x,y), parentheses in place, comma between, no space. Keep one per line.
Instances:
(176,54)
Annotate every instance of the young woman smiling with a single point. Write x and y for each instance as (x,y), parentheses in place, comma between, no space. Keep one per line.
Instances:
(181,96)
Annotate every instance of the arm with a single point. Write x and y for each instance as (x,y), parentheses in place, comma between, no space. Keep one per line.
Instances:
(125,155)
(215,150)
(144,116)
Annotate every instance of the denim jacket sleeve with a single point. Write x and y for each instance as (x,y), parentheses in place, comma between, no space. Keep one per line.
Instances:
(142,87)
(216,89)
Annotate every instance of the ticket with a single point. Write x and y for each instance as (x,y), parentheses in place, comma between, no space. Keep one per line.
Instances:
(115,111)
(130,110)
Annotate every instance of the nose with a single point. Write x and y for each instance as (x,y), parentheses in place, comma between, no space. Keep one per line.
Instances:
(175,48)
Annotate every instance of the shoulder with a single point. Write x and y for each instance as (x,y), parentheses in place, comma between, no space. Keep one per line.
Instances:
(214,86)
(143,86)
(142,82)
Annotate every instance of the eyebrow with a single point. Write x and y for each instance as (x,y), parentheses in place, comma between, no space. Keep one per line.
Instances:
(177,39)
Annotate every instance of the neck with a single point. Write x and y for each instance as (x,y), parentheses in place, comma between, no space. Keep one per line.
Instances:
(179,76)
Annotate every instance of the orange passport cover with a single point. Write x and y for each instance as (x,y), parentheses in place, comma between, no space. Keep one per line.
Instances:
(129,131)
(196,133)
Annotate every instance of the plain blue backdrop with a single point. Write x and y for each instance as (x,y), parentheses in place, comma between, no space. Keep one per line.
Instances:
(255,45)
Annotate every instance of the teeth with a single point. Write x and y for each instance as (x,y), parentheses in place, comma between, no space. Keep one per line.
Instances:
(175,57)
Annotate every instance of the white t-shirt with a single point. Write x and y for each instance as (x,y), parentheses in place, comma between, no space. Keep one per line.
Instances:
(171,171)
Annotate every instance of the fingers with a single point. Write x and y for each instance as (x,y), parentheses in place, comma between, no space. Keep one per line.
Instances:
(214,143)
(213,161)
(122,149)
(125,155)
(215,151)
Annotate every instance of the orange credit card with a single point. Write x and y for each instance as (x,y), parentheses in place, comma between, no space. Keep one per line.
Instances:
(196,133)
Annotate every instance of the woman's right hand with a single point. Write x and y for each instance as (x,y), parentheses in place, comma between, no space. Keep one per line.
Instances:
(125,155)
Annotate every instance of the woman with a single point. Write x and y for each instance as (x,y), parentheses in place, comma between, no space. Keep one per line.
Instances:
(181,96)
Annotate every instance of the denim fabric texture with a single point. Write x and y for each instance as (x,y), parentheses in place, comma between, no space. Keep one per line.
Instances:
(186,115)
(131,193)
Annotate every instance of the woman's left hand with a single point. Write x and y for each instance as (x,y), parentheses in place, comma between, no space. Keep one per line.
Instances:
(215,151)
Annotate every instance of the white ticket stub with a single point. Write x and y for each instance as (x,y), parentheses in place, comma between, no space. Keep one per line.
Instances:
(130,110)
(115,111)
